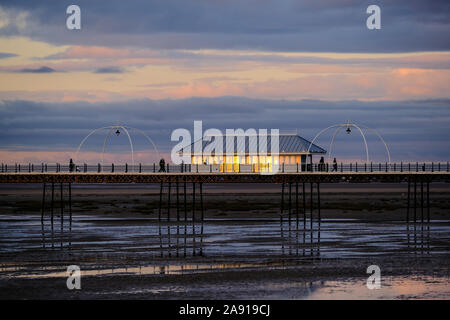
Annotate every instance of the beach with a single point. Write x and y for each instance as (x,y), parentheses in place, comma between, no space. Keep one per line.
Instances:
(242,250)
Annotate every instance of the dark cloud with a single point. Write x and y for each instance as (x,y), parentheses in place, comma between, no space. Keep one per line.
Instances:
(414,130)
(109,70)
(42,69)
(4,55)
(285,25)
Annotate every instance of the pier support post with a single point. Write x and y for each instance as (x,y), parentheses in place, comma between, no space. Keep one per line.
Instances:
(282,202)
(185,200)
(62,205)
(201,202)
(160,201)
(43,203)
(193,201)
(421,201)
(318,201)
(415,199)
(408,200)
(304,204)
(70,206)
(311,206)
(52,204)
(289,205)
(168,201)
(428,201)
(178,201)
(296,205)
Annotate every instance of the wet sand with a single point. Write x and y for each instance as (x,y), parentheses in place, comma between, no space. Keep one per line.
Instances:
(374,202)
(242,250)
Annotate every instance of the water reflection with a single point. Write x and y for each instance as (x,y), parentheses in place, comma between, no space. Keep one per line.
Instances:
(418,237)
(181,239)
(271,238)
(51,238)
(298,241)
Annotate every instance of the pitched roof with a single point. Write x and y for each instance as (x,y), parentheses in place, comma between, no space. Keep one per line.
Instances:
(288,143)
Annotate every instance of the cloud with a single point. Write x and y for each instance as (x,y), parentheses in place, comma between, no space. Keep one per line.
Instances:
(5,55)
(109,70)
(285,25)
(42,69)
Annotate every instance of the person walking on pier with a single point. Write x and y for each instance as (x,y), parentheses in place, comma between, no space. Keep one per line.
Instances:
(335,165)
(162,165)
(321,164)
(71,166)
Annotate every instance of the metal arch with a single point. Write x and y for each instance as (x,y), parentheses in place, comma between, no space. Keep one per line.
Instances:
(85,138)
(131,145)
(342,125)
(125,129)
(148,138)
(332,142)
(382,140)
(320,132)
(104,144)
(365,142)
(129,139)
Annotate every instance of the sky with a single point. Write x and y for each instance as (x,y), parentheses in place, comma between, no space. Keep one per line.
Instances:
(159,65)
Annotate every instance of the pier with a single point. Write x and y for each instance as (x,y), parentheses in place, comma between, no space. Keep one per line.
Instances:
(299,190)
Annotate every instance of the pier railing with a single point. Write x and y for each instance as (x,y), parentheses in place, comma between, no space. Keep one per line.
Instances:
(227,168)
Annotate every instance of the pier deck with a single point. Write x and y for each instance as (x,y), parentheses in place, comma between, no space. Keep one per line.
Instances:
(307,177)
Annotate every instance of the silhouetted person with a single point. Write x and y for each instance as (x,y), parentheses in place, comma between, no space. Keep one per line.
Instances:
(71,166)
(335,165)
(162,165)
(321,164)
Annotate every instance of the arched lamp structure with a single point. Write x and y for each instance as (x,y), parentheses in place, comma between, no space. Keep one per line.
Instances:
(110,129)
(360,128)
